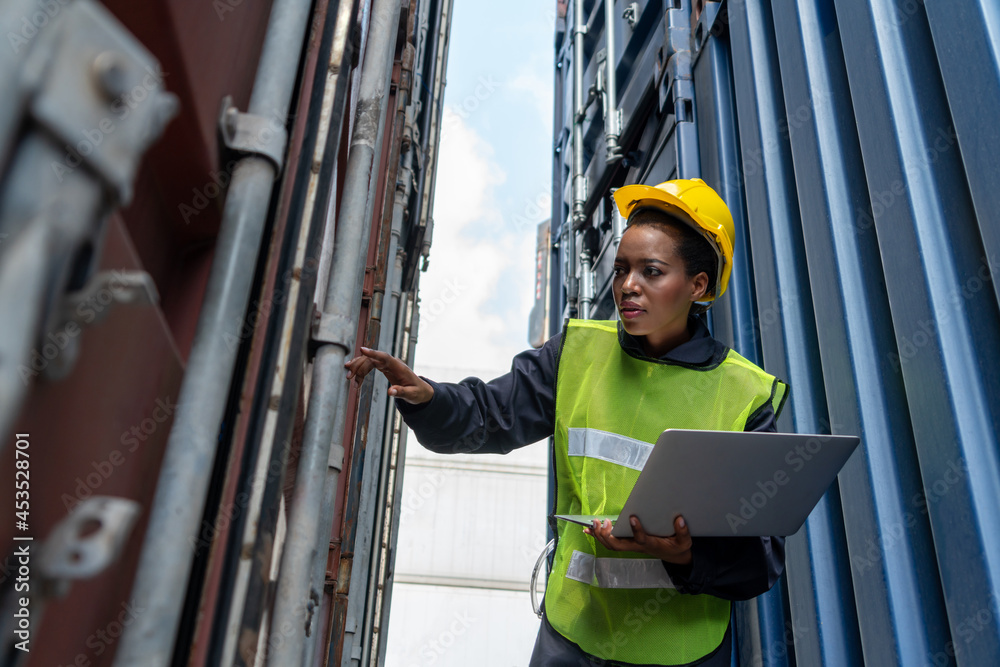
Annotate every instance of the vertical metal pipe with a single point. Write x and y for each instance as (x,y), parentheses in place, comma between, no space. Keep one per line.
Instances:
(430,132)
(396,441)
(12,79)
(579,180)
(618,223)
(165,563)
(298,594)
(578,218)
(612,119)
(425,77)
(569,258)
(387,337)
(586,283)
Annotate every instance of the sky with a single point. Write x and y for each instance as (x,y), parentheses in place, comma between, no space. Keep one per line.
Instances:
(492,190)
(493,185)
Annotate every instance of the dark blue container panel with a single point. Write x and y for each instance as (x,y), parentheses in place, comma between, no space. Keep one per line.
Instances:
(857,143)
(946,330)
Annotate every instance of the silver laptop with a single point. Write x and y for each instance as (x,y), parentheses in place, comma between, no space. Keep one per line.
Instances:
(728,483)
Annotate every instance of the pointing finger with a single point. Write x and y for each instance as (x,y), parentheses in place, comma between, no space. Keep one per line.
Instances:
(358,368)
(373,354)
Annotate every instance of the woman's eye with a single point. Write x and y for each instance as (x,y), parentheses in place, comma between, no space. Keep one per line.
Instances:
(651,271)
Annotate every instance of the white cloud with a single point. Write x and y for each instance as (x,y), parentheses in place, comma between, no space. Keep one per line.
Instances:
(528,81)
(472,274)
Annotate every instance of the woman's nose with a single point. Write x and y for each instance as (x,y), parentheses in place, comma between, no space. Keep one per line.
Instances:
(630,285)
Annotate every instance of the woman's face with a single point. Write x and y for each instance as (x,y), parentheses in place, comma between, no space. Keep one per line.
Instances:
(652,291)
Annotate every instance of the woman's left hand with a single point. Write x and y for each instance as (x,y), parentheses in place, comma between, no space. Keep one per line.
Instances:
(675,549)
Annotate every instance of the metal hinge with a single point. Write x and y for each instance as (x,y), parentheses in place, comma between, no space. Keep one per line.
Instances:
(81,546)
(250,134)
(631,14)
(104,292)
(334,329)
(88,100)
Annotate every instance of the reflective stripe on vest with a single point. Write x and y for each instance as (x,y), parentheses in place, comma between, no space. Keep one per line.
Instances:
(618,572)
(609,447)
(610,408)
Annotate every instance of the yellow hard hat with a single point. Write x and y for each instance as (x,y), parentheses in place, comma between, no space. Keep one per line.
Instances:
(692,201)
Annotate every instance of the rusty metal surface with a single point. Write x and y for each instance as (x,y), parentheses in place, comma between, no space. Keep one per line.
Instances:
(231,502)
(359,409)
(207,50)
(103,429)
(108,422)
(99,431)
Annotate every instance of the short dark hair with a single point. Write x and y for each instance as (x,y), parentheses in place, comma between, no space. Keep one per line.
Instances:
(694,249)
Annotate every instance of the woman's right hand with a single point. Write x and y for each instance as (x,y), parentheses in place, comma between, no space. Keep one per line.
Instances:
(404,383)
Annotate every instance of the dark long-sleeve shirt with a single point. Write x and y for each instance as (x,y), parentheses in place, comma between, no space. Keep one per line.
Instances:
(518,408)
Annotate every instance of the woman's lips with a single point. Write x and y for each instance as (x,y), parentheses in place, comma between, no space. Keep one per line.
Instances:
(630,310)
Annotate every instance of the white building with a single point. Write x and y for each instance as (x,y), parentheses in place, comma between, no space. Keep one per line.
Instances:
(470,531)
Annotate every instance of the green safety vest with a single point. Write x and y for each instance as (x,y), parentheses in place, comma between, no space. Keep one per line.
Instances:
(610,408)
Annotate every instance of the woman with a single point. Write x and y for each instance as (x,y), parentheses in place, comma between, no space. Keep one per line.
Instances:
(605,390)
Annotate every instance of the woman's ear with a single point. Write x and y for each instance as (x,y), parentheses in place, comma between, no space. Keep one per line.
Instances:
(699,285)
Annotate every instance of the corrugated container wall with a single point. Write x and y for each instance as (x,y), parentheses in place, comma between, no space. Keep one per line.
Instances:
(856,144)
(205,207)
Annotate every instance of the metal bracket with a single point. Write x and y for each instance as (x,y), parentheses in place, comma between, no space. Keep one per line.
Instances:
(704,24)
(102,94)
(250,134)
(334,329)
(87,541)
(91,305)
(85,102)
(104,291)
(674,63)
(336,458)
(631,14)
(80,546)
